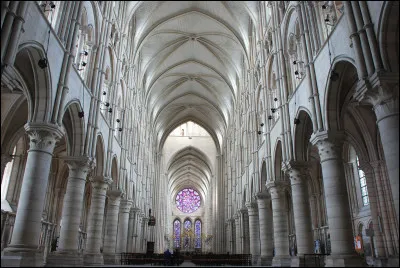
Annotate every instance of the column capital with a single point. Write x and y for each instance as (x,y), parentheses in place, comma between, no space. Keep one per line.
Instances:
(329,144)
(243,211)
(252,208)
(100,182)
(276,188)
(79,164)
(125,206)
(380,88)
(42,136)
(134,209)
(297,171)
(114,195)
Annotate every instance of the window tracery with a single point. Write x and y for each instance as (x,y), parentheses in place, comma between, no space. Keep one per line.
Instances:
(188,200)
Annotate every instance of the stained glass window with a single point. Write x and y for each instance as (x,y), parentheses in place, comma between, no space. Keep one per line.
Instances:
(363,184)
(188,233)
(187,200)
(197,234)
(177,233)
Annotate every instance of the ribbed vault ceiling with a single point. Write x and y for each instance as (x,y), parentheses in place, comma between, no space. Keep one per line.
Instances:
(190,57)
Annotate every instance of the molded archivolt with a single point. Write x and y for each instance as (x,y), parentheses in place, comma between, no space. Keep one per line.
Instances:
(196,48)
(189,168)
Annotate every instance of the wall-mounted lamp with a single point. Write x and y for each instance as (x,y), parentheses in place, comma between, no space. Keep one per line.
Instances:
(262,124)
(81,114)
(43,63)
(275,99)
(84,53)
(273,110)
(269,117)
(323,6)
(334,76)
(296,121)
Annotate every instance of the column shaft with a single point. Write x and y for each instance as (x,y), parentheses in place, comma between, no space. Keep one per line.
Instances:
(95,221)
(123,225)
(254,229)
(266,234)
(72,204)
(110,237)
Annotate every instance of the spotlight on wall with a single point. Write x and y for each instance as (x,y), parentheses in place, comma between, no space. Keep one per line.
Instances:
(43,63)
(275,99)
(262,124)
(118,120)
(295,62)
(323,6)
(269,117)
(259,132)
(104,93)
(326,19)
(296,121)
(296,72)
(52,5)
(81,114)
(334,76)
(273,110)
(83,63)
(84,53)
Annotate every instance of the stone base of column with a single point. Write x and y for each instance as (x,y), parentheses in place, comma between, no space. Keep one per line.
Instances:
(266,260)
(344,261)
(281,261)
(94,259)
(64,259)
(255,260)
(391,262)
(110,258)
(299,261)
(22,259)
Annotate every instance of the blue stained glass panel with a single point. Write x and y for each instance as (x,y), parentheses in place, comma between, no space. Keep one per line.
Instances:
(188,200)
(177,233)
(197,234)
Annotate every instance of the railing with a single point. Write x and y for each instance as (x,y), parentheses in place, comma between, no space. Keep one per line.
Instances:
(314,260)
(222,259)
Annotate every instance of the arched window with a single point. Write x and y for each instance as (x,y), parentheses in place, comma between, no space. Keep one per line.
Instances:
(188,233)
(177,234)
(197,234)
(105,93)
(363,185)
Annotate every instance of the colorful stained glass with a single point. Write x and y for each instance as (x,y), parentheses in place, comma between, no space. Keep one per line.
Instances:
(197,234)
(188,200)
(177,233)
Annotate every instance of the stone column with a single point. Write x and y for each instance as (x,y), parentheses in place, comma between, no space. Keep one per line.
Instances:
(382,94)
(238,244)
(110,237)
(266,232)
(5,159)
(280,223)
(25,238)
(123,222)
(337,202)
(92,254)
(244,215)
(145,229)
(301,210)
(254,229)
(131,229)
(67,252)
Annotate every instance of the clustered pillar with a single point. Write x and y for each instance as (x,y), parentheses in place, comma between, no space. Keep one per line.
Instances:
(93,256)
(337,204)
(280,223)
(301,211)
(22,250)
(266,235)
(254,232)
